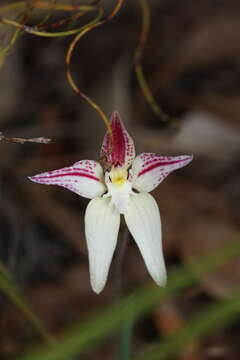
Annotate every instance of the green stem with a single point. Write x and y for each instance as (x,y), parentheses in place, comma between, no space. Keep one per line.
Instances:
(125,349)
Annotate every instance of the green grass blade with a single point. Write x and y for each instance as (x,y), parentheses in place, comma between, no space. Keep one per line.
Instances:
(103,323)
(10,290)
(212,317)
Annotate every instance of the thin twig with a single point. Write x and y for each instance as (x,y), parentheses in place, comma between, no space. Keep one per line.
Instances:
(19,140)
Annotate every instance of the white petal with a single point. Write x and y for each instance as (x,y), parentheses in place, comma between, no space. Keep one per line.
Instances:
(143,221)
(101,227)
(151,169)
(85,178)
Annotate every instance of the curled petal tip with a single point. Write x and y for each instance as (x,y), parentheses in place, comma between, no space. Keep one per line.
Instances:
(185,159)
(32,178)
(39,178)
(188,159)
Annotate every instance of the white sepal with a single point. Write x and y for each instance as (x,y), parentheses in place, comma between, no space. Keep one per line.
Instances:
(101,228)
(143,221)
(118,149)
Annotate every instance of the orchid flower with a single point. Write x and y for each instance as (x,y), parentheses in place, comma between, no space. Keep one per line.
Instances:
(120,186)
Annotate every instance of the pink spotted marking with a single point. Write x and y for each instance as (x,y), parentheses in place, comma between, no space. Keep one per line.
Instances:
(60,171)
(119,149)
(158,164)
(118,143)
(81,174)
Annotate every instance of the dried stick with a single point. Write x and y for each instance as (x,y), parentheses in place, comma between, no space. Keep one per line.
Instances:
(19,140)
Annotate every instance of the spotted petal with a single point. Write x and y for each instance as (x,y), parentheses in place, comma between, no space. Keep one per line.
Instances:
(143,221)
(85,178)
(118,150)
(151,169)
(101,227)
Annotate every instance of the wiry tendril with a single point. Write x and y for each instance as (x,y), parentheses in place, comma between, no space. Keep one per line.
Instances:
(145,29)
(72,46)
(39,30)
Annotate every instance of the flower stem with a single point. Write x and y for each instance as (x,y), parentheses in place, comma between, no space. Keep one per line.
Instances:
(125,348)
(126,335)
(117,267)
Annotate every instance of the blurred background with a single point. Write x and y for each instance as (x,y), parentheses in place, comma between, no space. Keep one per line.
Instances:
(192,65)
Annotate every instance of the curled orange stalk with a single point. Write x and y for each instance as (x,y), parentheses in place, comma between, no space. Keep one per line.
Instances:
(23,18)
(72,46)
(28,8)
(42,5)
(47,16)
(145,29)
(39,31)
(34,30)
(62,22)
